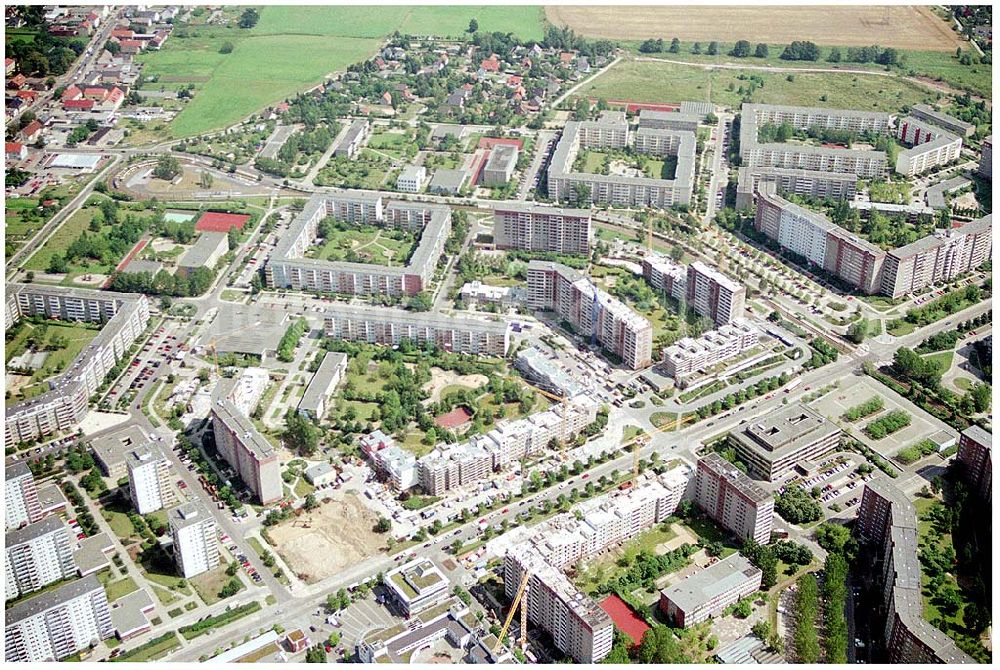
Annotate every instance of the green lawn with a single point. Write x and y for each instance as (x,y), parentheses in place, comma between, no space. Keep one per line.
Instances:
(119,589)
(369,244)
(59,241)
(942,358)
(669,82)
(208,584)
(120,524)
(153,649)
(172,582)
(902,328)
(303,488)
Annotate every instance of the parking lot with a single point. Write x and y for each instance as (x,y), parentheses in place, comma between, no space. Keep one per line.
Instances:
(857,390)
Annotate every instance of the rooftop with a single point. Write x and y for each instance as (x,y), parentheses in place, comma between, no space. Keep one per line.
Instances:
(111,448)
(723,468)
(45,601)
(203,249)
(787,430)
(700,588)
(32,531)
(188,514)
(319,386)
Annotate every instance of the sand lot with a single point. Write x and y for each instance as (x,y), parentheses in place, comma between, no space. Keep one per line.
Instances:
(855,25)
(323,542)
(442,379)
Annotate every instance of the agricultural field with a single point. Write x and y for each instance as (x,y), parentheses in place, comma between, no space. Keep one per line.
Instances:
(657,81)
(899,26)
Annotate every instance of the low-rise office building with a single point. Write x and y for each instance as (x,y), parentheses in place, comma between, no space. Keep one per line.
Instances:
(655,119)
(330,373)
(355,138)
(196,541)
(529,227)
(37,554)
(733,499)
(389,327)
(887,525)
(411,179)
(500,165)
(417,585)
(591,311)
(772,445)
(58,623)
(204,253)
(707,593)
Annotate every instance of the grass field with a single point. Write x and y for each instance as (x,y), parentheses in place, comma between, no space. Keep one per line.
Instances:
(208,584)
(371,245)
(60,240)
(119,589)
(856,25)
(77,337)
(652,81)
(291,50)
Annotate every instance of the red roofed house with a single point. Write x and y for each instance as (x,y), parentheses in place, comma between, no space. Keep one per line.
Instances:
(514,81)
(221,222)
(566,58)
(526,62)
(27,95)
(113,101)
(17,81)
(282,107)
(158,39)
(96,94)
(72,92)
(82,105)
(32,131)
(15,151)
(386,98)
(131,47)
(122,34)
(9,65)
(491,64)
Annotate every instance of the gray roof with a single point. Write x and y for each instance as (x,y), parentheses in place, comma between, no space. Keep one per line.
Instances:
(737,479)
(32,531)
(127,614)
(143,454)
(419,319)
(15,470)
(318,470)
(137,266)
(188,514)
(45,601)
(928,112)
(501,157)
(937,239)
(784,431)
(111,448)
(91,556)
(320,383)
(243,427)
(533,208)
(451,180)
(198,255)
(935,194)
(979,435)
(701,587)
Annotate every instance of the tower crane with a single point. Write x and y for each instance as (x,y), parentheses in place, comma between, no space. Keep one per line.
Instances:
(212,343)
(518,597)
(565,416)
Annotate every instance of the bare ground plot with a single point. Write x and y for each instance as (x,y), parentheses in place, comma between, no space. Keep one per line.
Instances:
(891,26)
(321,543)
(442,379)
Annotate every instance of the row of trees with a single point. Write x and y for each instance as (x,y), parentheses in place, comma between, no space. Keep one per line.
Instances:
(888,424)
(796,506)
(806,609)
(194,283)
(867,408)
(949,338)
(290,340)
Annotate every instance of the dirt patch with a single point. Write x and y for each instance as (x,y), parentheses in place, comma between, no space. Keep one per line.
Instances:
(441,379)
(322,543)
(15,383)
(896,26)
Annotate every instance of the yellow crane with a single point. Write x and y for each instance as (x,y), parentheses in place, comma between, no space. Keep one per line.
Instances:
(565,416)
(212,343)
(518,597)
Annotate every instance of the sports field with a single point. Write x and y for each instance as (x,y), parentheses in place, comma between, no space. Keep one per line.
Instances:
(899,26)
(651,81)
(293,48)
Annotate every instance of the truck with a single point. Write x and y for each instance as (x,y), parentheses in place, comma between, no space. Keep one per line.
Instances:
(793,384)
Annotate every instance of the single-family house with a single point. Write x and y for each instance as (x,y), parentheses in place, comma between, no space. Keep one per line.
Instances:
(15,151)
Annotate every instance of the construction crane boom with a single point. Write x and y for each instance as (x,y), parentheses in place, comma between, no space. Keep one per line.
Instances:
(522,587)
(565,416)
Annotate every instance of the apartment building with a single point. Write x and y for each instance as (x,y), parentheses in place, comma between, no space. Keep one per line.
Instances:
(355,137)
(196,541)
(58,623)
(577,624)
(245,449)
(37,554)
(529,227)
(772,445)
(812,183)
(986,159)
(938,258)
(975,460)
(733,499)
(395,465)
(657,120)
(591,311)
(451,466)
(821,242)
(564,183)
(330,373)
(411,179)
(928,114)
(149,479)
(689,356)
(500,165)
(708,592)
(887,524)
(60,409)
(388,327)
(20,495)
(713,294)
(659,142)
(931,147)
(289,266)
(417,585)
(665,275)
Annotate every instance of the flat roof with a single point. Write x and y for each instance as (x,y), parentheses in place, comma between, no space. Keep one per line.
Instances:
(206,245)
(736,478)
(76,161)
(701,587)
(243,427)
(417,319)
(547,210)
(246,648)
(188,514)
(111,448)
(788,429)
(979,435)
(49,524)
(319,385)
(449,179)
(45,601)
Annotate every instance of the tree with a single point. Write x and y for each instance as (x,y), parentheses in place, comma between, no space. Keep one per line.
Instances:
(713,48)
(762,51)
(57,264)
(473,26)
(233,568)
(249,18)
(167,168)
(741,49)
(659,645)
(301,434)
(696,48)
(310,502)
(795,505)
(858,331)
(675,46)
(231,588)
(316,654)
(205,179)
(421,302)
(226,48)
(383,525)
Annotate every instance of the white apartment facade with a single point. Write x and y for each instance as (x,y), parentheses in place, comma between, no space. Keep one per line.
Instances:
(196,542)
(149,479)
(20,496)
(37,554)
(530,227)
(713,294)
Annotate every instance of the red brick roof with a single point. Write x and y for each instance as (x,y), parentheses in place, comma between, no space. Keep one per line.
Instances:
(72,92)
(32,128)
(13,147)
(221,222)
(78,104)
(625,618)
(490,142)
